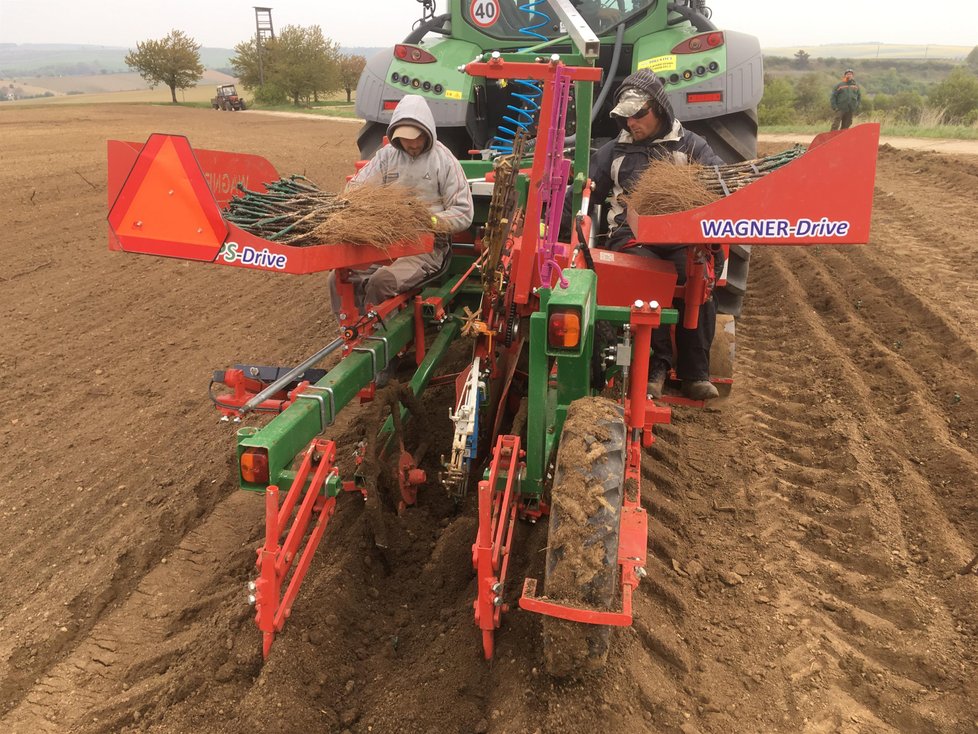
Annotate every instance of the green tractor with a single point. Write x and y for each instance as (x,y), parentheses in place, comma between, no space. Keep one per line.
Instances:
(714,77)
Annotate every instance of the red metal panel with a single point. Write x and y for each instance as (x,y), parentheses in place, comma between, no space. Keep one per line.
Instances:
(163,202)
(245,250)
(624,278)
(223,170)
(823,197)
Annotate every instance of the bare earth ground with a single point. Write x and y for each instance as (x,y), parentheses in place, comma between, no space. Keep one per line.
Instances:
(807,534)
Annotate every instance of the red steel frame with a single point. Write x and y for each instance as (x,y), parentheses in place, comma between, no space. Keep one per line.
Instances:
(640,415)
(497,520)
(525,273)
(275,561)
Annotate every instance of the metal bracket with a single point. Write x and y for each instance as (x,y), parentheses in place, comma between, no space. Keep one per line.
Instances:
(373,359)
(387,347)
(323,423)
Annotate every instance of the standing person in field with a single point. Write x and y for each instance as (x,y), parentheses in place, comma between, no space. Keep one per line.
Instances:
(650,131)
(415,159)
(846,97)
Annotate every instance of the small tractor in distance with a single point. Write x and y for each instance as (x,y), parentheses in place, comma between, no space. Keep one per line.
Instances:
(535,433)
(227,99)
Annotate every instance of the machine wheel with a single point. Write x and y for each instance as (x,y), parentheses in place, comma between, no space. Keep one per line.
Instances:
(582,548)
(371,138)
(732,137)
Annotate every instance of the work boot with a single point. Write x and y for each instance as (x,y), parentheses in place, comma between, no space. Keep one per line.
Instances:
(700,390)
(656,384)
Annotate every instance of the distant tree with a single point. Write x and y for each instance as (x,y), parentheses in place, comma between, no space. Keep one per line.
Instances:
(882,102)
(957,95)
(298,65)
(802,58)
(812,97)
(971,60)
(244,64)
(889,81)
(173,61)
(907,107)
(350,69)
(777,106)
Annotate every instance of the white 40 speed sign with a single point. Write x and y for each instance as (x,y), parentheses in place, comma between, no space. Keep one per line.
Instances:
(484,13)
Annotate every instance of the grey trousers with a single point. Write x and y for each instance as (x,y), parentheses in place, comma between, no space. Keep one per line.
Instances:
(377,283)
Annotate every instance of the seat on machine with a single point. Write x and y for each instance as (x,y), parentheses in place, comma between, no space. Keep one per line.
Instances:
(436,275)
(624,278)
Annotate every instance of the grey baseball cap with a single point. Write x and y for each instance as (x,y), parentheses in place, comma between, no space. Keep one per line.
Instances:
(630,102)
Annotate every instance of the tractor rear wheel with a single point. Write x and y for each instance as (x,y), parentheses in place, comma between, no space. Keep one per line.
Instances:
(582,548)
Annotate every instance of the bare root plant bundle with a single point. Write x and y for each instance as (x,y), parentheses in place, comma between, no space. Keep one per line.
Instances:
(294,211)
(379,216)
(665,188)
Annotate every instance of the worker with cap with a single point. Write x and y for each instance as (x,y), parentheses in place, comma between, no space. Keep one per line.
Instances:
(846,96)
(414,159)
(650,131)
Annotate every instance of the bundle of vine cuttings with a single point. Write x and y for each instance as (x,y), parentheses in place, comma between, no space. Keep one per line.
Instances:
(665,188)
(294,211)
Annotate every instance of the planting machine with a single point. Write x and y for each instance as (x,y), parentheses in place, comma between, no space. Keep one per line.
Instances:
(529,428)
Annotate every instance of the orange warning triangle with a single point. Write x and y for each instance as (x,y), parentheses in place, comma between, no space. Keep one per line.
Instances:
(165,206)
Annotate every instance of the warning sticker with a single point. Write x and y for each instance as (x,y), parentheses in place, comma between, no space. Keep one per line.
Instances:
(659,63)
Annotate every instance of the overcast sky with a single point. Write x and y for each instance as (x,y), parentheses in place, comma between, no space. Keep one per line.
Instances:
(224,23)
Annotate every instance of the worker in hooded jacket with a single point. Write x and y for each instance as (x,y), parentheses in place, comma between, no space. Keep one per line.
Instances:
(414,159)
(650,131)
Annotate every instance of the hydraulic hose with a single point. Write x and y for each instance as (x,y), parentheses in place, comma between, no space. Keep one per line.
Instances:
(431,25)
(612,71)
(699,21)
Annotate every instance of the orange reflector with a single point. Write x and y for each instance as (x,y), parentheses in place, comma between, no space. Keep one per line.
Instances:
(254,466)
(564,329)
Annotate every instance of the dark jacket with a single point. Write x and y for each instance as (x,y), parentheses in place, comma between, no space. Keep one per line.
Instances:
(846,96)
(618,164)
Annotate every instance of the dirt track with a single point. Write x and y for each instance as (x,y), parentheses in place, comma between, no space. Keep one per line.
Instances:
(808,533)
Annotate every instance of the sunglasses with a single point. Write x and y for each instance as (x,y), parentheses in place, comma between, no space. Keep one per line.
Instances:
(640,114)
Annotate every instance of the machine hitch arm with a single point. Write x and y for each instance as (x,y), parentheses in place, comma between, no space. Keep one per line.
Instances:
(275,560)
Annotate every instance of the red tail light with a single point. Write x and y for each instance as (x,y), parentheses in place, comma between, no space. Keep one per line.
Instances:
(696,97)
(254,465)
(390,104)
(702,42)
(564,329)
(413,54)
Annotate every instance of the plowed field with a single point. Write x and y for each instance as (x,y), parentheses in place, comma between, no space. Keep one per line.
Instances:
(811,534)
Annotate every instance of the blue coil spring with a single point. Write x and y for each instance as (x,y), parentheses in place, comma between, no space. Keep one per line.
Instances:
(528,94)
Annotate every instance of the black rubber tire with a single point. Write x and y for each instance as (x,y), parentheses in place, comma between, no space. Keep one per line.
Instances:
(370,138)
(582,547)
(732,137)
